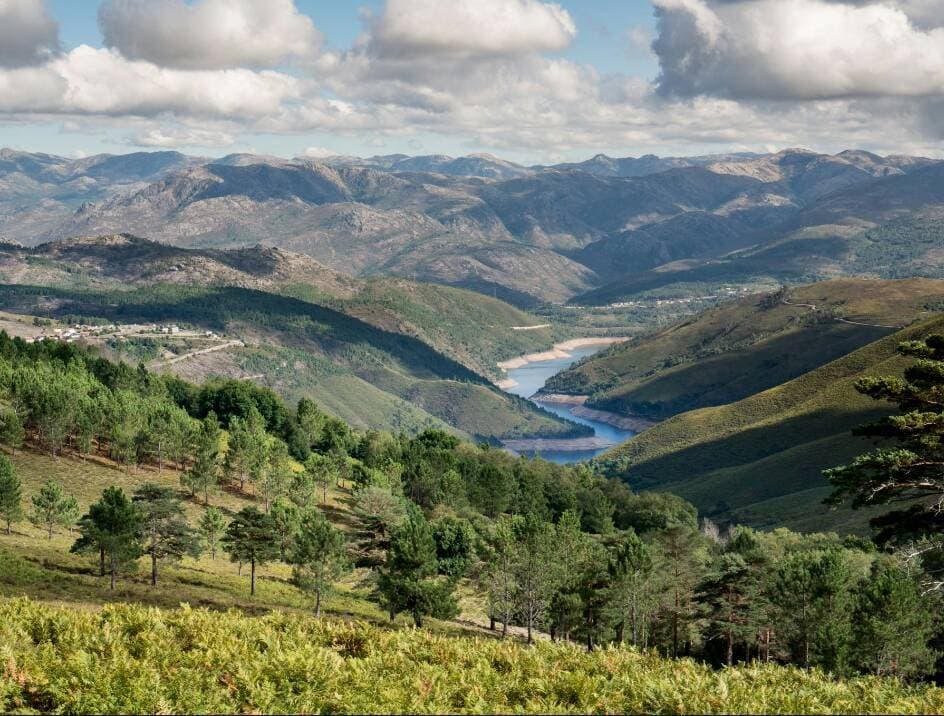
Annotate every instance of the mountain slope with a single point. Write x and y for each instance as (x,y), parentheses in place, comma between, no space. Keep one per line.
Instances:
(759,460)
(744,347)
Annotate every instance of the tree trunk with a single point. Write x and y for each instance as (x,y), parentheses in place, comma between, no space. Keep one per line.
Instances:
(620,632)
(530,640)
(252,577)
(8,526)
(153,569)
(491,617)
(317,604)
(504,628)
(114,569)
(730,648)
(101,562)
(418,619)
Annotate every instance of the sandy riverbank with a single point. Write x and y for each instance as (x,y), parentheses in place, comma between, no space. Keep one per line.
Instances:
(559,350)
(550,444)
(623,422)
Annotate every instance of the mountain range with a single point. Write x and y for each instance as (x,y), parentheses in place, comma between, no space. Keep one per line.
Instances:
(592,232)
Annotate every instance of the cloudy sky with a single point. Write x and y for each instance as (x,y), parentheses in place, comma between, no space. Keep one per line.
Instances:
(528,80)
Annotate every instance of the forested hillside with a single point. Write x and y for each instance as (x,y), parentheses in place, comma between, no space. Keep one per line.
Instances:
(125,485)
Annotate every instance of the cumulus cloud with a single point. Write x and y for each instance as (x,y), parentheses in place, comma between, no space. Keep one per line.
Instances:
(27,33)
(89,81)
(482,27)
(172,137)
(208,34)
(795,49)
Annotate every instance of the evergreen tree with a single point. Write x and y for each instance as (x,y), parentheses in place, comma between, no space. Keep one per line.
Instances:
(320,469)
(286,517)
(277,474)
(498,577)
(914,469)
(409,582)
(815,600)
(633,597)
(204,473)
(52,507)
(11,494)
(211,527)
(681,560)
(12,432)
(893,625)
(319,555)
(536,572)
(251,537)
(112,526)
(166,534)
(730,595)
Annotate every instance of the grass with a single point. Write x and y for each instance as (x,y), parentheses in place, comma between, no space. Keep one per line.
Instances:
(132,659)
(737,350)
(759,460)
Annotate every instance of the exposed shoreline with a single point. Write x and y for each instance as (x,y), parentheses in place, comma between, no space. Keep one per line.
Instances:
(562,445)
(558,350)
(623,422)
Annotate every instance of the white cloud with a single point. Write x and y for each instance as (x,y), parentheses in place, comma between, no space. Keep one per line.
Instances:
(208,34)
(796,50)
(470,27)
(319,152)
(101,81)
(170,137)
(27,33)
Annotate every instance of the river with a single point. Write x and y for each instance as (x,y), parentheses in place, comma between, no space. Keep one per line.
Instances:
(531,378)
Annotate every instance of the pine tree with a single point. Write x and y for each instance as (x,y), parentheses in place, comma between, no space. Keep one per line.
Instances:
(204,473)
(536,572)
(12,432)
(165,532)
(681,562)
(52,507)
(409,581)
(915,467)
(251,537)
(730,594)
(319,555)
(632,594)
(211,527)
(286,517)
(11,494)
(112,526)
(893,624)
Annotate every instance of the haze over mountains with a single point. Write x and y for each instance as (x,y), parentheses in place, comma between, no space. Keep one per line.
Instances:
(598,231)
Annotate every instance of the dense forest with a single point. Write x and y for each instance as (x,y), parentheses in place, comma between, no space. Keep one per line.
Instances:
(554,551)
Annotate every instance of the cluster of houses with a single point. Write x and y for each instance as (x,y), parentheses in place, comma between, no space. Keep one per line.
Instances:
(82,331)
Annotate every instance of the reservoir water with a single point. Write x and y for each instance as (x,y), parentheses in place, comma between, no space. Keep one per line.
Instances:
(532,377)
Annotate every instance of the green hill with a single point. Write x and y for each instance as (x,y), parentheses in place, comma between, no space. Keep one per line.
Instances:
(744,347)
(758,461)
(374,377)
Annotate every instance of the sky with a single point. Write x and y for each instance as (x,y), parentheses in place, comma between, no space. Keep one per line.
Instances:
(526,80)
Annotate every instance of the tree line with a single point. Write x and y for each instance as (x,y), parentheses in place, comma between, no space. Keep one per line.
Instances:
(554,551)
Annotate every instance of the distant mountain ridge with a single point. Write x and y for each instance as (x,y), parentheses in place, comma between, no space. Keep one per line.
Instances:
(526,234)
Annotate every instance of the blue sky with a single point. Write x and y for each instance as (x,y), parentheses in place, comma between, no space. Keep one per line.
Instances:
(529,80)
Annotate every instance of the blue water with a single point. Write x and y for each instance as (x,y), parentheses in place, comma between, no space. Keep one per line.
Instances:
(532,377)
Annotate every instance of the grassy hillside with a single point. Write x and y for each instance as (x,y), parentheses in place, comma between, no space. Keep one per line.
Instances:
(32,565)
(399,365)
(759,460)
(475,330)
(131,659)
(741,348)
